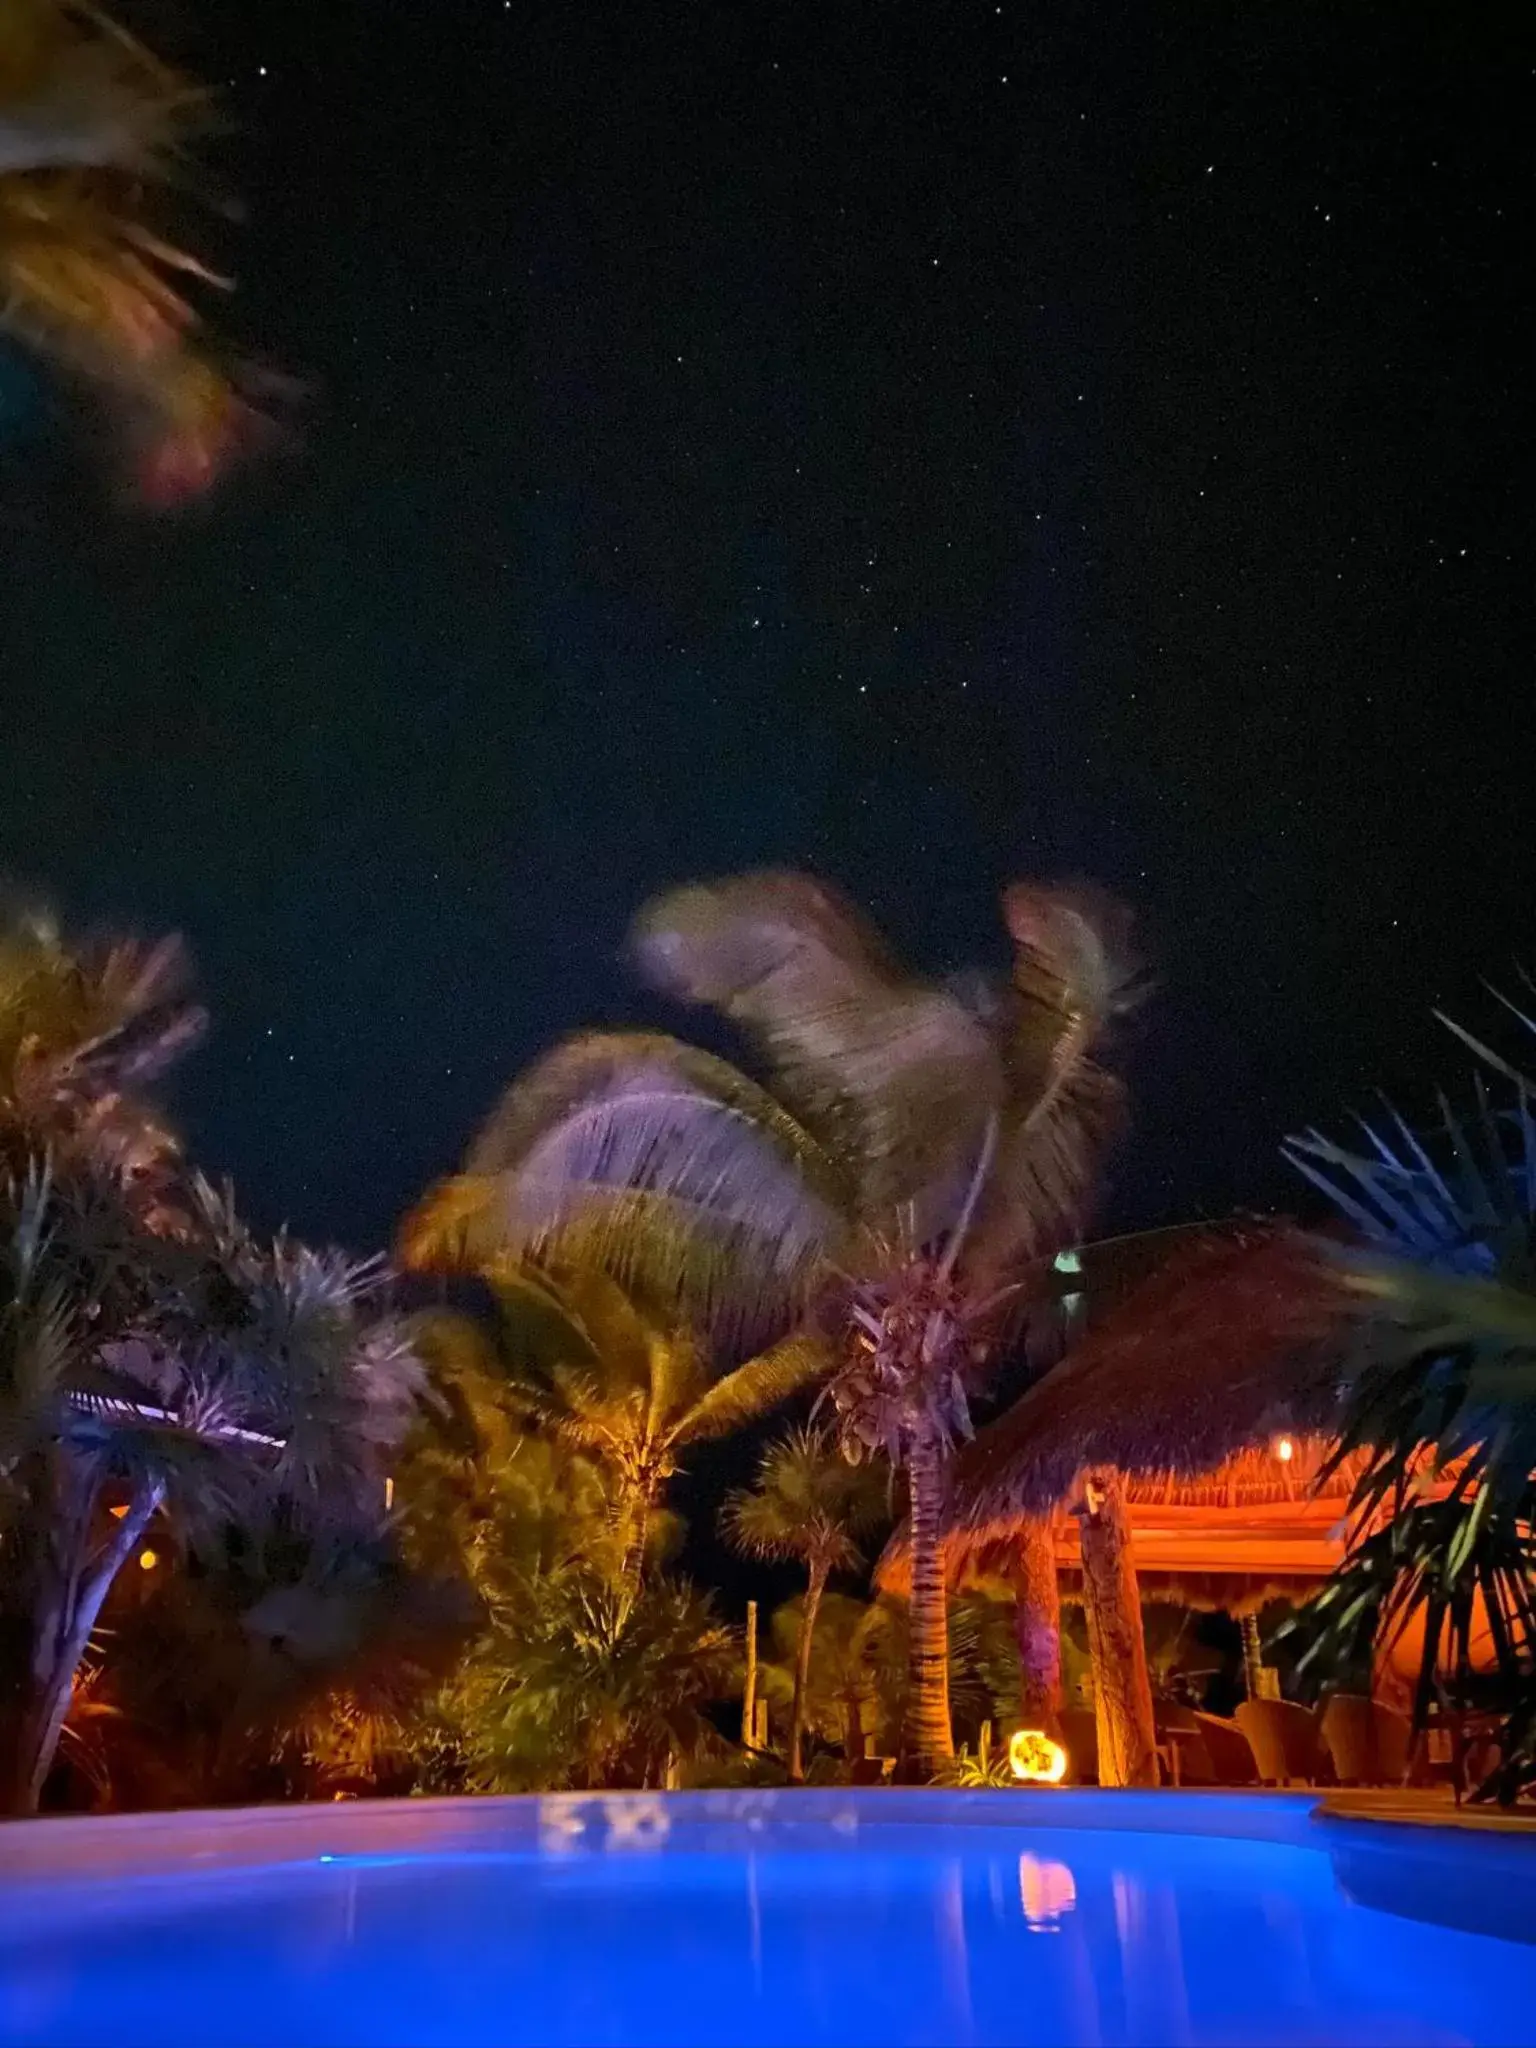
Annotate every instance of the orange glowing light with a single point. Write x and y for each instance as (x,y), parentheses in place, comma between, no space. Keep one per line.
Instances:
(1047,1891)
(148,1559)
(1285,1449)
(1033,1757)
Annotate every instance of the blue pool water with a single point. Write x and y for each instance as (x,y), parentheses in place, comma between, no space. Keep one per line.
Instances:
(862,1918)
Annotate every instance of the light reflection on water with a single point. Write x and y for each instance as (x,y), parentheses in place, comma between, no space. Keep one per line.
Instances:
(617,1926)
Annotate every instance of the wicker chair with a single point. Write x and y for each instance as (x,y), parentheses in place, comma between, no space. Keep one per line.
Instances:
(1287,1749)
(1369,1744)
(1229,1750)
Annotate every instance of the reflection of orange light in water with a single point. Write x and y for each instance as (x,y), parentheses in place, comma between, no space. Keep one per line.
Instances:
(1033,1756)
(1046,1890)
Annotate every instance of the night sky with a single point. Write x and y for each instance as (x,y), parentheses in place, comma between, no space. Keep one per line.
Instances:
(927,443)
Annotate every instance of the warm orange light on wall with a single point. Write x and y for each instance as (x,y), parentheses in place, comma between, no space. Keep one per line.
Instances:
(148,1559)
(1034,1757)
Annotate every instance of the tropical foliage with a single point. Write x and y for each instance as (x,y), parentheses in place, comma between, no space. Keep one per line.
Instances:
(157,1362)
(440,1551)
(918,1147)
(810,1505)
(95,135)
(858,1669)
(577,1356)
(581,1683)
(1442,1411)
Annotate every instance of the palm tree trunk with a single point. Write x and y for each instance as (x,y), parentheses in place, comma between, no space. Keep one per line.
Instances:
(633,1510)
(63,1636)
(1037,1627)
(926,1739)
(813,1593)
(1112,1605)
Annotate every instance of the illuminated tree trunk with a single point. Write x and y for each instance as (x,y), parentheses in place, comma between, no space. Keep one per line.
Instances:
(926,1739)
(633,1507)
(749,1690)
(64,1622)
(1037,1627)
(1112,1605)
(813,1593)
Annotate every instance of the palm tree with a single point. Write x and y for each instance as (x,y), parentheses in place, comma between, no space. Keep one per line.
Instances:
(1442,1401)
(207,1378)
(810,1505)
(919,1145)
(154,1357)
(583,1360)
(94,132)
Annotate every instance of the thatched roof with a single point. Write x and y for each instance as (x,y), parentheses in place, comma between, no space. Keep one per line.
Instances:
(1232,1343)
(1184,1384)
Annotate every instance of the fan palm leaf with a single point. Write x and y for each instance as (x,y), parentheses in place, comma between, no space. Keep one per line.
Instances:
(1442,1394)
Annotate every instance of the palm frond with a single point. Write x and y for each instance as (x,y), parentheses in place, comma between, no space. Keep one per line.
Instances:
(77,91)
(758,1386)
(670,1170)
(892,1073)
(93,131)
(454,1228)
(1074,978)
(807,1502)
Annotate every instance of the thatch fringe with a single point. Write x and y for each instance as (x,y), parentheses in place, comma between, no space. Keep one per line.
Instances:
(1184,1385)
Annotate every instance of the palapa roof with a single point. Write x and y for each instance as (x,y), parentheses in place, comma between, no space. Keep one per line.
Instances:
(1184,1384)
(1233,1342)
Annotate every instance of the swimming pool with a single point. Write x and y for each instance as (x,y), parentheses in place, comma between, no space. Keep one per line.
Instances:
(810,1917)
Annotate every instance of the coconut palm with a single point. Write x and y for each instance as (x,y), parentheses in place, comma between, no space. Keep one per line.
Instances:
(809,1505)
(581,1358)
(94,136)
(917,1146)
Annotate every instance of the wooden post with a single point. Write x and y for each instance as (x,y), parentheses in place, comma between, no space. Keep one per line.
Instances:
(1253,1657)
(749,1690)
(1112,1606)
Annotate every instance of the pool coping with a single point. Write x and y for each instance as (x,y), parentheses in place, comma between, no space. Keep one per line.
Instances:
(71,1848)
